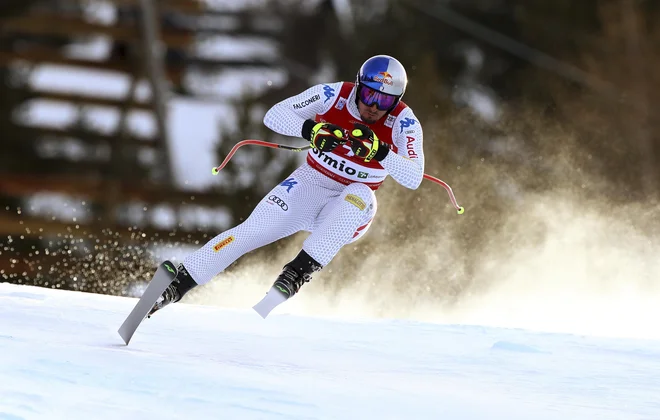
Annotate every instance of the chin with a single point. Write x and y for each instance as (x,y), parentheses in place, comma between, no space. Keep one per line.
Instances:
(369,120)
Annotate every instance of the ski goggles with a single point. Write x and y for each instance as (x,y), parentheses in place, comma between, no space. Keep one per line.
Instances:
(369,97)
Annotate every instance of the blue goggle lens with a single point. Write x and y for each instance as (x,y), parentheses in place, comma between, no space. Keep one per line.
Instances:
(369,97)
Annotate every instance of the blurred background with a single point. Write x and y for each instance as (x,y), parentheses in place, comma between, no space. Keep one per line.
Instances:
(541,115)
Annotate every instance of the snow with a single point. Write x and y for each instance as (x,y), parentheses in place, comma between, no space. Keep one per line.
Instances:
(62,359)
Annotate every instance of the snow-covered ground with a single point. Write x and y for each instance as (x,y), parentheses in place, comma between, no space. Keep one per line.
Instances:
(61,358)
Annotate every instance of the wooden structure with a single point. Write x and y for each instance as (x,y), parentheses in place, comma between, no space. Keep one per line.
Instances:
(152,40)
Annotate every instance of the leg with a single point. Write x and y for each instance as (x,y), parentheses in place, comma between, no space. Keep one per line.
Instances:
(267,223)
(343,220)
(288,208)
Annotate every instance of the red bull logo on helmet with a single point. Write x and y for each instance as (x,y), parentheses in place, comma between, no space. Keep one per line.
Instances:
(384,78)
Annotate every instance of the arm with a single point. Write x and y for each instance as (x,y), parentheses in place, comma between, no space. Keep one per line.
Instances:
(294,116)
(407,165)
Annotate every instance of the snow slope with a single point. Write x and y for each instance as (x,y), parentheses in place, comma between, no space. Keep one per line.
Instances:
(61,358)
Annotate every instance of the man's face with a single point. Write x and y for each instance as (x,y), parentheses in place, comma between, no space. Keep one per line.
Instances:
(372,104)
(370,114)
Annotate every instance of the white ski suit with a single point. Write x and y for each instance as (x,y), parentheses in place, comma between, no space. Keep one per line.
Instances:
(332,194)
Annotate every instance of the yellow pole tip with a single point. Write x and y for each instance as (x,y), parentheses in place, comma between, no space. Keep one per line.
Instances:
(460,210)
(214,171)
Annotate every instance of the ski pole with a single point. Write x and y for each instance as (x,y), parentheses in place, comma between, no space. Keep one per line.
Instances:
(240,144)
(233,150)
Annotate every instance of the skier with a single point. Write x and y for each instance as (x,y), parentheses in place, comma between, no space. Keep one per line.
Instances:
(360,133)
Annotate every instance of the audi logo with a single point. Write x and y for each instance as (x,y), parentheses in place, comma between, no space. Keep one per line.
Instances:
(275,199)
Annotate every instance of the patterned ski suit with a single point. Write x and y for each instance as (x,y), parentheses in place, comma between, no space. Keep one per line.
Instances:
(331,195)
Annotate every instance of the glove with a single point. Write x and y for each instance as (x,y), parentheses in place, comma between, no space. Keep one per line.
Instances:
(365,143)
(324,136)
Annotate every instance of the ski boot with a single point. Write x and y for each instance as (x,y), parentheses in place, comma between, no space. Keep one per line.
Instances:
(181,284)
(288,283)
(295,274)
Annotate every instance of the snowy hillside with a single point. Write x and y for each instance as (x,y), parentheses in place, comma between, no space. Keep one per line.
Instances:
(62,359)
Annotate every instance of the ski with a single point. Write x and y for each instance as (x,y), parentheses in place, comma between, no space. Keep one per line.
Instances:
(162,278)
(269,302)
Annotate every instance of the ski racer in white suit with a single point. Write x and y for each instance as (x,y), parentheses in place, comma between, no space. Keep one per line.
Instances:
(360,132)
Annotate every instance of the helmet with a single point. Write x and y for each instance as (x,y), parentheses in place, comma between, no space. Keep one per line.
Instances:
(384,74)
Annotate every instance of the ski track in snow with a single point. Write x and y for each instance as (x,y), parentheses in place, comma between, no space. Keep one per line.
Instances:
(61,358)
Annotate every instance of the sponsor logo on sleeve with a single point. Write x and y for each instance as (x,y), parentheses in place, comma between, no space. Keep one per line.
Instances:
(356,201)
(328,92)
(273,199)
(407,122)
(363,175)
(309,101)
(223,243)
(410,147)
